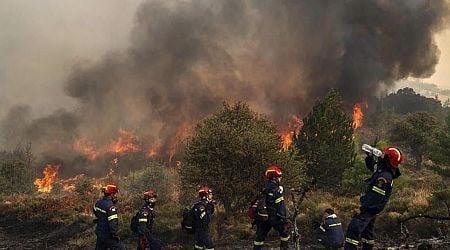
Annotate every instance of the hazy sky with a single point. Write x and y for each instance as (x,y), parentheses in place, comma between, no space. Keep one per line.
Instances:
(41,40)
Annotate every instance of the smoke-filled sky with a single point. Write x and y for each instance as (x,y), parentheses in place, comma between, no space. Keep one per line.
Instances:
(85,69)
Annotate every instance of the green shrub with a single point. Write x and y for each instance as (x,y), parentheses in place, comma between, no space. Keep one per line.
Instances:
(15,177)
(353,177)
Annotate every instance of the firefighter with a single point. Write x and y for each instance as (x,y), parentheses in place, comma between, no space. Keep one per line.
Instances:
(276,210)
(330,233)
(377,194)
(107,221)
(146,217)
(203,210)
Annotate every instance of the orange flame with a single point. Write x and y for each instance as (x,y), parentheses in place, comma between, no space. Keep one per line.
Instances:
(287,136)
(45,184)
(182,133)
(357,115)
(83,146)
(127,142)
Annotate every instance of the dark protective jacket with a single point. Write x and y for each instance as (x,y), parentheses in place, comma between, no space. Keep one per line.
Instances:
(379,189)
(330,232)
(146,218)
(107,219)
(203,211)
(274,199)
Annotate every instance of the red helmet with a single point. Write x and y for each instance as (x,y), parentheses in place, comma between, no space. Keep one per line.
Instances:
(272,172)
(394,155)
(110,189)
(150,194)
(204,191)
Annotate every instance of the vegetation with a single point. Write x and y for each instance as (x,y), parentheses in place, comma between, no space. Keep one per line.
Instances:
(230,148)
(229,151)
(326,143)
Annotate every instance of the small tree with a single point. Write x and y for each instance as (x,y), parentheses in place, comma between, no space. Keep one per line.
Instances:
(230,151)
(415,132)
(326,141)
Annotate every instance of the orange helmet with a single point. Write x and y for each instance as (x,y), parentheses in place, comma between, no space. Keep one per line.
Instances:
(150,194)
(394,155)
(110,189)
(272,172)
(204,191)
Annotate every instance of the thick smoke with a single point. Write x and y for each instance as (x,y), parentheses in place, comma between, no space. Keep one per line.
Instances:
(187,57)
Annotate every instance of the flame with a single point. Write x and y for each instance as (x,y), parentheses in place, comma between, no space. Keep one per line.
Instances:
(358,115)
(83,146)
(287,136)
(45,184)
(183,132)
(127,142)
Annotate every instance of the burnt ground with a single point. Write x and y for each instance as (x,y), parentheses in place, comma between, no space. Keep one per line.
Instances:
(16,234)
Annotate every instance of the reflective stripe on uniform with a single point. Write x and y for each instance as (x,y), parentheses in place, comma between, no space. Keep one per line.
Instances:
(352,241)
(285,238)
(198,247)
(335,224)
(209,248)
(370,242)
(378,190)
(143,220)
(279,199)
(202,215)
(99,209)
(321,228)
(258,243)
(112,217)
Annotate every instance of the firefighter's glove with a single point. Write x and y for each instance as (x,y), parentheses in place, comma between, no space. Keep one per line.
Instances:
(356,212)
(95,221)
(143,242)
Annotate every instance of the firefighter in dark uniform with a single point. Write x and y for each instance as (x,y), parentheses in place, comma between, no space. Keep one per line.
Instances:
(107,221)
(203,210)
(378,192)
(146,218)
(330,233)
(276,210)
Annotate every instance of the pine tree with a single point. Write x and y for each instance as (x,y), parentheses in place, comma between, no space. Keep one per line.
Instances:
(325,142)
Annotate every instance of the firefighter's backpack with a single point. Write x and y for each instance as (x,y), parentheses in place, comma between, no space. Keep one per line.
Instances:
(187,223)
(258,208)
(134,223)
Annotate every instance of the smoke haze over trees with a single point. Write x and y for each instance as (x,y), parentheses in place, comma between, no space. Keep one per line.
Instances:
(186,57)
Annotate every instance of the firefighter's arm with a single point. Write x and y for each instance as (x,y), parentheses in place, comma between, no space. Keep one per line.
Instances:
(142,225)
(113,220)
(370,162)
(202,213)
(380,186)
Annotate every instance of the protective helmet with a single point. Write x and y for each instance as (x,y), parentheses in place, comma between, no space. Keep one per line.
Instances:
(110,189)
(150,194)
(204,191)
(272,172)
(394,155)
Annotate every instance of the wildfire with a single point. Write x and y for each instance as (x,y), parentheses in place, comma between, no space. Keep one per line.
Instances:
(83,146)
(287,136)
(127,142)
(45,184)
(183,131)
(357,115)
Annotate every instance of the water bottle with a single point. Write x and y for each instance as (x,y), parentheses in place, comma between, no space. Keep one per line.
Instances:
(372,150)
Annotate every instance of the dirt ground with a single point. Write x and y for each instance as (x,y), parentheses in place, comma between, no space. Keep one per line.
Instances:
(19,235)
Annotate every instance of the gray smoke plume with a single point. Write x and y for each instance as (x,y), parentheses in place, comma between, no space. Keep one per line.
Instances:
(279,56)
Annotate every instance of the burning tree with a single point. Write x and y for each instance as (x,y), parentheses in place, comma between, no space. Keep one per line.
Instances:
(230,151)
(326,141)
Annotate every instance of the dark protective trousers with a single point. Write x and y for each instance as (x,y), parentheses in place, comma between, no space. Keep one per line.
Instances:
(153,243)
(263,229)
(203,239)
(105,244)
(361,228)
